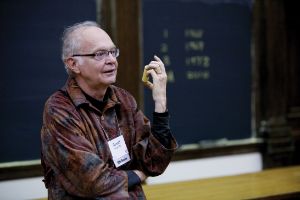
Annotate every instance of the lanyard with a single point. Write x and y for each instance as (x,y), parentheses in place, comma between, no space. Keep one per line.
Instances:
(117,146)
(103,129)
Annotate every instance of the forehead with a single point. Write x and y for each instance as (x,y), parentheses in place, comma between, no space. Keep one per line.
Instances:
(95,38)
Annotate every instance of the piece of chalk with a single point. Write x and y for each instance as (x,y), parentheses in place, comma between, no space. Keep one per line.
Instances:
(145,77)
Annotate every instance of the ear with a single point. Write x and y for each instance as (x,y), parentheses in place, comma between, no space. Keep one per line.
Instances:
(72,65)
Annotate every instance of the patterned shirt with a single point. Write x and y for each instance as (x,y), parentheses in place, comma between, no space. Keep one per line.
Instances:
(75,154)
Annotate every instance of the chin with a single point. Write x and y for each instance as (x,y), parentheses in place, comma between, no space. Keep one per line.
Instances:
(112,81)
(109,79)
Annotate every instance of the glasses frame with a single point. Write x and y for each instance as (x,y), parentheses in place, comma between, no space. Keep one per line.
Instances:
(104,52)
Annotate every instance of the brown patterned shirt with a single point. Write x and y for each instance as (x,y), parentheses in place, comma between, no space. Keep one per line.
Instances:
(75,154)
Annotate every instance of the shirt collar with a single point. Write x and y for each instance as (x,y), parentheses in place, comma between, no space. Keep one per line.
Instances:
(78,97)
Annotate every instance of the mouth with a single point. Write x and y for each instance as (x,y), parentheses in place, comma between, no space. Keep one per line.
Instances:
(109,71)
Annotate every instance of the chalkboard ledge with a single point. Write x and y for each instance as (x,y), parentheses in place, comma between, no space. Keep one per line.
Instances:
(220,147)
(20,169)
(33,168)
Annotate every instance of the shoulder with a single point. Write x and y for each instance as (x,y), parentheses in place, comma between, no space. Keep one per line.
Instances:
(58,101)
(58,98)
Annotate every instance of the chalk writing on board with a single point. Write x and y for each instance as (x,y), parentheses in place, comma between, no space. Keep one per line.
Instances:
(206,50)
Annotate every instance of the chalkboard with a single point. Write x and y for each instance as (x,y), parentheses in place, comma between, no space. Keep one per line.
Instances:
(205,45)
(31,67)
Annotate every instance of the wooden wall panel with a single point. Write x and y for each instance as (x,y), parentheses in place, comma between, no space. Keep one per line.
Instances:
(121,19)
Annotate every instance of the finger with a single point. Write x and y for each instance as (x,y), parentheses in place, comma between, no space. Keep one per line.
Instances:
(157,58)
(149,85)
(153,74)
(161,64)
(154,65)
(145,78)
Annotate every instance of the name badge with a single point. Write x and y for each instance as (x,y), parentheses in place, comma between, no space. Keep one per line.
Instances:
(119,151)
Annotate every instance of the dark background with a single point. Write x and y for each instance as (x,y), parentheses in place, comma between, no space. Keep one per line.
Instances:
(31,68)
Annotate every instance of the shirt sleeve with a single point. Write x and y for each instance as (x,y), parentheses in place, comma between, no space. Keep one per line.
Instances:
(161,129)
(154,145)
(133,179)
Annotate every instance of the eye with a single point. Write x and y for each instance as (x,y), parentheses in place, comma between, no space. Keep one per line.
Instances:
(101,53)
(113,52)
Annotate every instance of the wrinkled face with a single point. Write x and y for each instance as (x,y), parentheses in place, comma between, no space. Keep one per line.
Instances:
(95,73)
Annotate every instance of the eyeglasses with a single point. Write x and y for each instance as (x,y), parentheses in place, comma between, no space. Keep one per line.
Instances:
(100,55)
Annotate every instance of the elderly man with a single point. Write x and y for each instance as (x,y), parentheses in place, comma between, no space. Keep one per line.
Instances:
(96,143)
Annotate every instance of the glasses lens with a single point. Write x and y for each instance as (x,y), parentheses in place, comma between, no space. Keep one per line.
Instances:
(115,53)
(100,55)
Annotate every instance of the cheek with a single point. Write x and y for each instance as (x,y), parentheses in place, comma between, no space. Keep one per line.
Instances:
(79,61)
(93,68)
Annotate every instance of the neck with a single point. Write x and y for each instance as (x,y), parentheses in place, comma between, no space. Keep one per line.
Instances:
(96,92)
